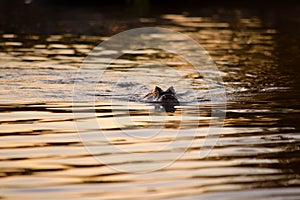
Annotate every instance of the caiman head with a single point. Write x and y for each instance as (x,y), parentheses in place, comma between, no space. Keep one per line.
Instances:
(166,98)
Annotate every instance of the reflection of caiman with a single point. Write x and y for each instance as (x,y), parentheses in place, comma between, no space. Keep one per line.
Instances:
(166,98)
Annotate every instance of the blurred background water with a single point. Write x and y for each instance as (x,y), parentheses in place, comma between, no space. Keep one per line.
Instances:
(256,49)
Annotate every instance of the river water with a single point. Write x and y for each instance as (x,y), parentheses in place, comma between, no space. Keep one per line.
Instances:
(66,136)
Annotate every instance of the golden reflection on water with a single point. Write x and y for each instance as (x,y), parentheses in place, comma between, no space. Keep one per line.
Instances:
(43,155)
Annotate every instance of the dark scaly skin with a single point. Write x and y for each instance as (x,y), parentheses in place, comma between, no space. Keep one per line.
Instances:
(167,98)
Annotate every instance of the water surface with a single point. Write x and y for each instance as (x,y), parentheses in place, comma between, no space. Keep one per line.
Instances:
(44,157)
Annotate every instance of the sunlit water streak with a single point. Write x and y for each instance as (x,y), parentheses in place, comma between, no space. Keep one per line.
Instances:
(42,154)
